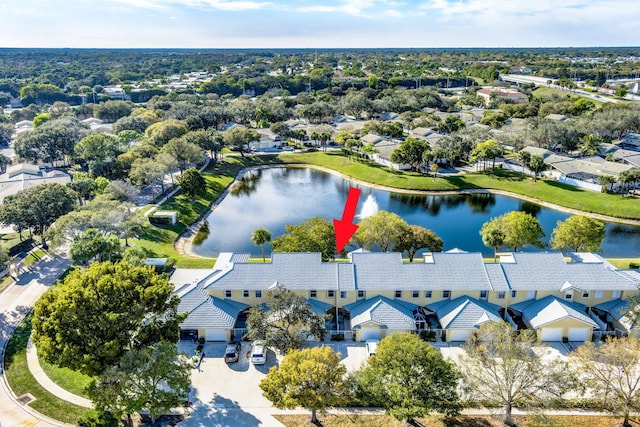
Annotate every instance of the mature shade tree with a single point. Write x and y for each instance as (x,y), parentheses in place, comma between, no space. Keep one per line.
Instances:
(193,183)
(41,119)
(162,132)
(411,152)
(487,150)
(578,233)
(409,378)
(52,141)
(240,137)
(136,124)
(260,237)
(92,244)
(312,378)
(312,235)
(381,230)
(519,228)
(98,147)
(6,131)
(145,171)
(612,371)
(415,238)
(111,111)
(98,314)
(287,322)
(36,208)
(502,368)
(186,153)
(154,378)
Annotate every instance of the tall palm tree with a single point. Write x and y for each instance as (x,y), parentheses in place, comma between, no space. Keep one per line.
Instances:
(590,145)
(260,237)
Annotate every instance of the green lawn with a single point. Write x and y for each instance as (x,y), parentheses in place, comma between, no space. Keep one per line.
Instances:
(70,380)
(21,381)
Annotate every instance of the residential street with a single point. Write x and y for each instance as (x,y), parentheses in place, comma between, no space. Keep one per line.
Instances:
(15,302)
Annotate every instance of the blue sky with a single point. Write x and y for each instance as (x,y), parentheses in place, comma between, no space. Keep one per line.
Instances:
(318,23)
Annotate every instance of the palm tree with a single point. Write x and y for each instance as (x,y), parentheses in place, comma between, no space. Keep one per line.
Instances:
(606,181)
(259,238)
(590,146)
(524,157)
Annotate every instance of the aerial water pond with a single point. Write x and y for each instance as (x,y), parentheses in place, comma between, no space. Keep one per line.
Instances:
(273,198)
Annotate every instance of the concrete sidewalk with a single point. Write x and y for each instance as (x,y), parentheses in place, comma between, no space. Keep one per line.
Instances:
(47,384)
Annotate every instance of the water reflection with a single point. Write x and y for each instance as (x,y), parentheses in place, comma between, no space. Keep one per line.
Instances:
(273,198)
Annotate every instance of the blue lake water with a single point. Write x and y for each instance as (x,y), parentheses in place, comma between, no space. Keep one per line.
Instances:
(273,198)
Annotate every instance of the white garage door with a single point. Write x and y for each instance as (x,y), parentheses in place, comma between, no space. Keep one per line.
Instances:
(579,334)
(551,334)
(458,334)
(369,334)
(216,334)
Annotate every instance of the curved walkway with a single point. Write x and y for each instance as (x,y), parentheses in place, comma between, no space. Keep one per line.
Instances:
(182,245)
(36,370)
(16,301)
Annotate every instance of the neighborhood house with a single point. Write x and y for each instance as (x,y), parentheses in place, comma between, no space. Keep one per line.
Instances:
(448,296)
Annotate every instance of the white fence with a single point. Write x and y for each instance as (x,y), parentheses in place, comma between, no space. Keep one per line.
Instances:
(582,184)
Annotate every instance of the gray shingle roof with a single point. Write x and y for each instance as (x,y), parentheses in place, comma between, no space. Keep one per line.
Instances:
(291,270)
(618,309)
(450,271)
(210,312)
(465,313)
(549,271)
(389,314)
(550,309)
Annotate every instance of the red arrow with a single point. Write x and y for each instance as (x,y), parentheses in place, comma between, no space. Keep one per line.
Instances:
(345,228)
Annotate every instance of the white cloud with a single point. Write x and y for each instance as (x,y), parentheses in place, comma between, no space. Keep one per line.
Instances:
(360,8)
(225,5)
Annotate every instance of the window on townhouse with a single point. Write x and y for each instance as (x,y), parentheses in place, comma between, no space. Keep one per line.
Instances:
(502,295)
(427,294)
(598,294)
(585,294)
(343,294)
(514,294)
(227,294)
(258,294)
(245,294)
(568,296)
(616,294)
(446,294)
(361,294)
(484,294)
(398,294)
(531,294)
(313,294)
(415,294)
(331,293)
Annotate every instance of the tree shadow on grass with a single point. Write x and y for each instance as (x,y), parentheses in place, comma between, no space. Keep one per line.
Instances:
(464,421)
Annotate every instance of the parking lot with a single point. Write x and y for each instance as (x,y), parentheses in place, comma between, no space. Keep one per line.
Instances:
(229,394)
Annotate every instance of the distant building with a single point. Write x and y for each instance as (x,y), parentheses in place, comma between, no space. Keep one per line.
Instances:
(23,176)
(501,93)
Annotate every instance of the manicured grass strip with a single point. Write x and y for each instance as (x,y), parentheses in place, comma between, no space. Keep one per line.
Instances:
(542,189)
(624,263)
(21,381)
(370,172)
(72,381)
(33,257)
(330,420)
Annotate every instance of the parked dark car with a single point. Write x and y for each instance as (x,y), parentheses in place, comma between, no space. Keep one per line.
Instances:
(232,352)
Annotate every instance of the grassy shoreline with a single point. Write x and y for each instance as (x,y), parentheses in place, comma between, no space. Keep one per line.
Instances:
(160,241)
